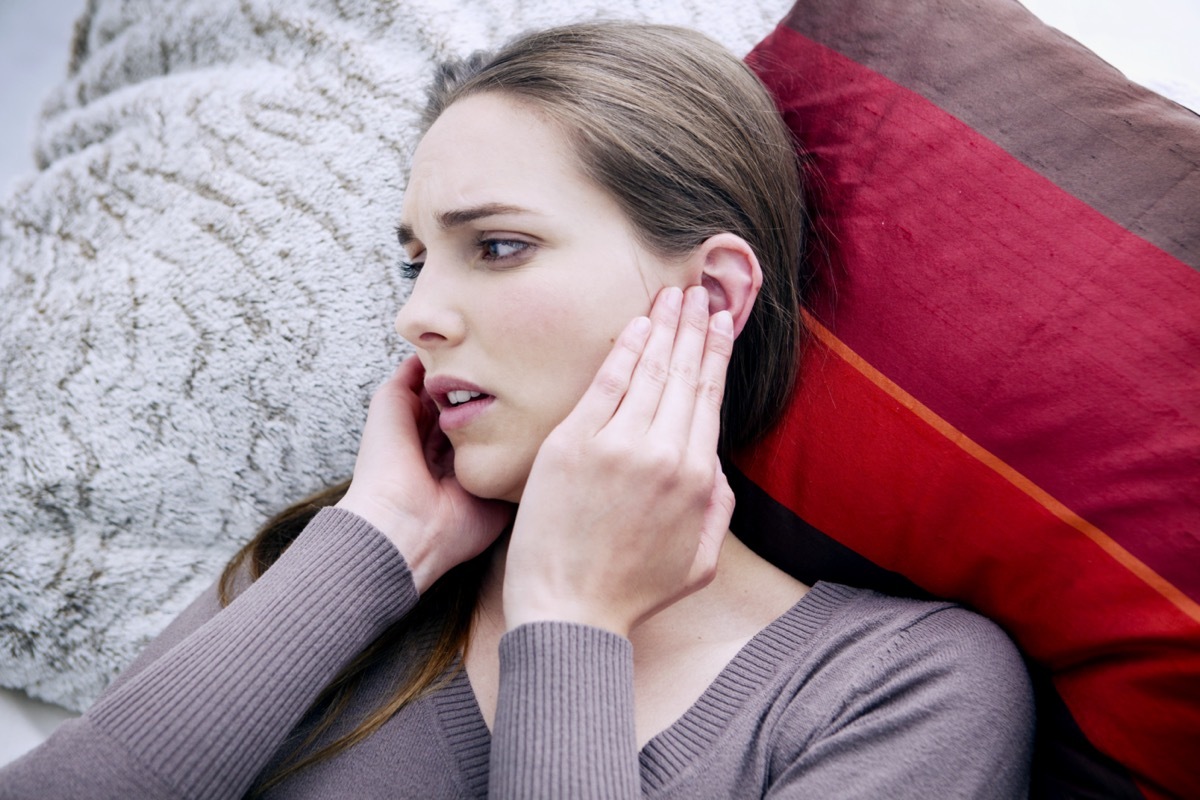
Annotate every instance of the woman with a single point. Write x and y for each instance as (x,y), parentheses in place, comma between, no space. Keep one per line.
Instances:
(528,589)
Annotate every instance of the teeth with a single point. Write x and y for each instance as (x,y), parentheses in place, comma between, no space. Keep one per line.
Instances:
(460,396)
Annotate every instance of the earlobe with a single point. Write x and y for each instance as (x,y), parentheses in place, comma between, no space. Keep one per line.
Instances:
(731,274)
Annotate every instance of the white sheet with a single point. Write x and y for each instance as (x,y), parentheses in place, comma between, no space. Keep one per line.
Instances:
(1153,42)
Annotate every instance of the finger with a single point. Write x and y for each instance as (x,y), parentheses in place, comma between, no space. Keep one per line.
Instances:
(712,533)
(436,449)
(606,391)
(401,389)
(405,385)
(710,390)
(411,372)
(674,415)
(397,408)
(438,453)
(636,411)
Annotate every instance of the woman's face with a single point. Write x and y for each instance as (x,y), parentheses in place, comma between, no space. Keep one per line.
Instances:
(528,271)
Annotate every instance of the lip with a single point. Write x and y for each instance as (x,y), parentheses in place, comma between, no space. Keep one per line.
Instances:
(450,417)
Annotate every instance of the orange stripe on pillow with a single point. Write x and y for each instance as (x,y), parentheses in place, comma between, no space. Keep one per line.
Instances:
(864,465)
(1039,495)
(856,463)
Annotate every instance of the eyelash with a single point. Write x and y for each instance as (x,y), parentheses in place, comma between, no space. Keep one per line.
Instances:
(411,270)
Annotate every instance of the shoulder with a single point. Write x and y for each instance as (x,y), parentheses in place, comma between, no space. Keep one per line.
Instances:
(948,646)
(949,630)
(936,691)
(890,626)
(840,644)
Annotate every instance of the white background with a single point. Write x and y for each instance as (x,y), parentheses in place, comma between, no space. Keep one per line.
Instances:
(1154,42)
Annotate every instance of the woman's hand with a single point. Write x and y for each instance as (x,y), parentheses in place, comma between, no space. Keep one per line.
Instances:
(626,505)
(404,483)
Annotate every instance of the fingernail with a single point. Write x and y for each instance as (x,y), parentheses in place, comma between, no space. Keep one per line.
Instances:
(641,325)
(697,295)
(723,322)
(673,297)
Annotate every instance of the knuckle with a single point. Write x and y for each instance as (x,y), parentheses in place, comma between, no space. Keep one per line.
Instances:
(686,372)
(698,469)
(721,345)
(698,475)
(712,392)
(661,459)
(654,369)
(610,383)
(698,323)
(631,345)
(610,449)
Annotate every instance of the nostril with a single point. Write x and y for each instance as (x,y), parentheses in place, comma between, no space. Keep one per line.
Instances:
(430,318)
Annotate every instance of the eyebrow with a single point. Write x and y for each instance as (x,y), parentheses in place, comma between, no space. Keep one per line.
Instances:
(461,216)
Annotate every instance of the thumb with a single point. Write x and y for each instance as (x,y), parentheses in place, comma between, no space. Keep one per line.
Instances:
(713,530)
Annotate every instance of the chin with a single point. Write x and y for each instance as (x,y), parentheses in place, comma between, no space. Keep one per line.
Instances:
(489,478)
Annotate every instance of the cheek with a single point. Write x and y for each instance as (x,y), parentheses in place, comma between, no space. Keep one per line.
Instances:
(568,341)
(556,324)
(564,348)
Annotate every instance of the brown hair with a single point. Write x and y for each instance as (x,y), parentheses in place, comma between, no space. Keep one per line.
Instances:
(690,145)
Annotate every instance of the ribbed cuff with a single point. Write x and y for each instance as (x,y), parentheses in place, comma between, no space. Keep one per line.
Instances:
(564,721)
(207,715)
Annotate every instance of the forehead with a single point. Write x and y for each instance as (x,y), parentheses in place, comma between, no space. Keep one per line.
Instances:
(491,149)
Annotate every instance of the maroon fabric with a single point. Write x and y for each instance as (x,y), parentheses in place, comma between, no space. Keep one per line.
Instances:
(1011,337)
(1040,96)
(991,247)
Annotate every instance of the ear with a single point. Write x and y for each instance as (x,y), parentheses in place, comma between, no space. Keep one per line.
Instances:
(730,272)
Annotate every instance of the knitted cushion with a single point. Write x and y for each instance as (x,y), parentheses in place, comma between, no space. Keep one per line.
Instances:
(197,289)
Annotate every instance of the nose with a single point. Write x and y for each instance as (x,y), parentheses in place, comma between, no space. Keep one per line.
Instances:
(430,317)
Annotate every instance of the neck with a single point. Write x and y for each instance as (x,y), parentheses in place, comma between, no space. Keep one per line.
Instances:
(718,605)
(677,653)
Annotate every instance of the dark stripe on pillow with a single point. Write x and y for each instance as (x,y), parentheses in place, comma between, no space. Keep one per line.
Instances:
(1050,102)
(1065,764)
(775,533)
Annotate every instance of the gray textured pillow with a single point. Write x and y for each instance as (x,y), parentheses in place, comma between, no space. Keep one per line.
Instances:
(196,292)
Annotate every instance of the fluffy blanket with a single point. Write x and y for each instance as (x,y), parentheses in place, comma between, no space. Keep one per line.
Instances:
(196,291)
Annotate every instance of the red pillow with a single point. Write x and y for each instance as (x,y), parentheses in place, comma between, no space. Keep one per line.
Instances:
(1001,404)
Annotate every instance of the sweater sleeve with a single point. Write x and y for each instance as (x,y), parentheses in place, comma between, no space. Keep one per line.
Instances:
(203,719)
(945,710)
(564,717)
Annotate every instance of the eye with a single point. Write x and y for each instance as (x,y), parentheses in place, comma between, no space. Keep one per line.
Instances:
(501,250)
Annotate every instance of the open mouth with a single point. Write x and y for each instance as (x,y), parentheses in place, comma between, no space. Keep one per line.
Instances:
(459,402)
(461,396)
(460,407)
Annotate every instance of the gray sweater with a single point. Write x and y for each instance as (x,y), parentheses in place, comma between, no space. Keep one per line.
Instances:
(847,694)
